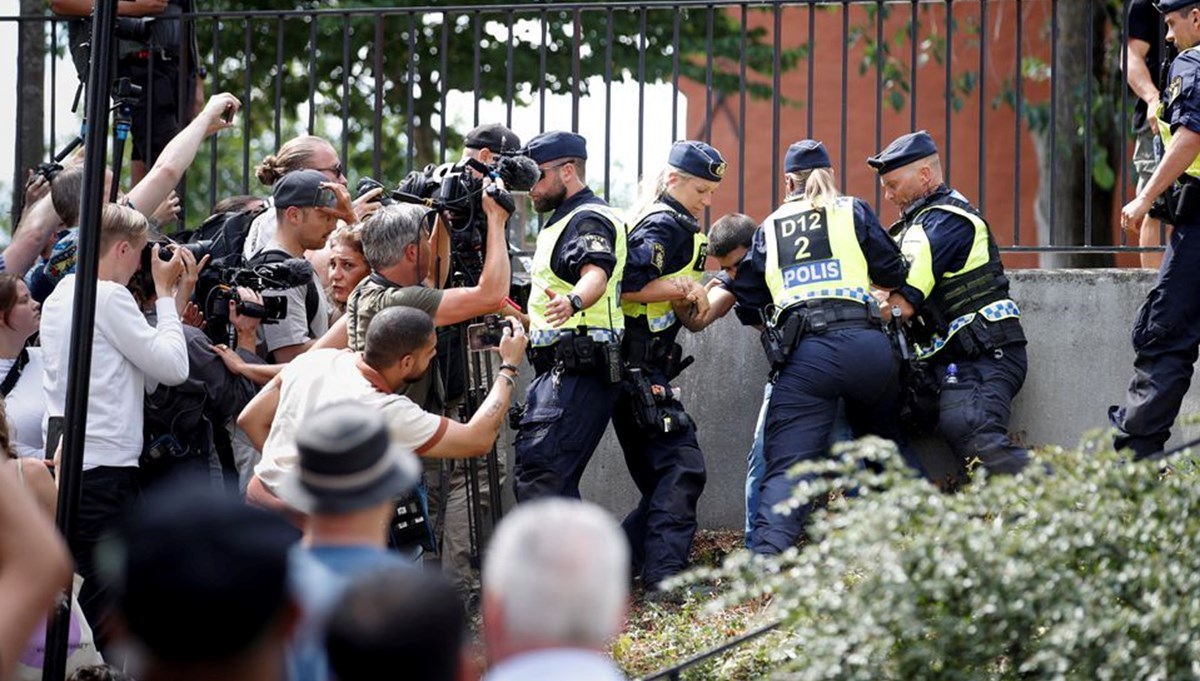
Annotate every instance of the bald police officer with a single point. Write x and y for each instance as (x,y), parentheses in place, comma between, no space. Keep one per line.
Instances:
(575,323)
(815,260)
(667,252)
(1166,333)
(956,299)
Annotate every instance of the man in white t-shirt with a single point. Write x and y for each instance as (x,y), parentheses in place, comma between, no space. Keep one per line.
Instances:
(400,344)
(129,358)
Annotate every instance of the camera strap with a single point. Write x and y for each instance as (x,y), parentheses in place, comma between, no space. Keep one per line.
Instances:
(14,373)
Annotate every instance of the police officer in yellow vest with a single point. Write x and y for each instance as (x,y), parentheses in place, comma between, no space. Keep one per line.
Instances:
(575,323)
(963,322)
(1166,333)
(667,250)
(818,256)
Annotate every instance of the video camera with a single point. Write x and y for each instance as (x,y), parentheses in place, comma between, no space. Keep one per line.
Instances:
(219,285)
(452,190)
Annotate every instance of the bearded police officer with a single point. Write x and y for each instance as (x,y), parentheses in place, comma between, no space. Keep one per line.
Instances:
(575,323)
(667,251)
(1167,330)
(818,256)
(963,322)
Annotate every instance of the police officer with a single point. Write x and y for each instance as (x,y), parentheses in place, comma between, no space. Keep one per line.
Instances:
(818,256)
(966,326)
(575,323)
(1167,330)
(667,251)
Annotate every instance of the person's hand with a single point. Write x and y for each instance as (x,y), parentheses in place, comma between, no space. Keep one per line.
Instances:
(344,210)
(558,310)
(1152,114)
(214,113)
(1133,213)
(165,272)
(190,273)
(245,323)
(512,342)
(192,316)
(36,187)
(142,8)
(492,207)
(367,204)
(697,299)
(167,211)
(229,357)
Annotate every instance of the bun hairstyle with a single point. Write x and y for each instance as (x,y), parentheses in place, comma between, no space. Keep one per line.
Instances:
(295,154)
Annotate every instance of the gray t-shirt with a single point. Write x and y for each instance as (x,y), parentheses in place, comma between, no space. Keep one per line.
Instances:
(296,328)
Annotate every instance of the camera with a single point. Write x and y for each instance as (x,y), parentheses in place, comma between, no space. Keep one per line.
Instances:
(135,29)
(218,286)
(487,334)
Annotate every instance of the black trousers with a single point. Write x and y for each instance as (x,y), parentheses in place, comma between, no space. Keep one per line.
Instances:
(105,492)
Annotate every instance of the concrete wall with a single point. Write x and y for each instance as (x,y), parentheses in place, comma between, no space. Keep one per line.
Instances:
(1080,361)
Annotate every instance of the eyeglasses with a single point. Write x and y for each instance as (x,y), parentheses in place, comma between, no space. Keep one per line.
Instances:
(337,170)
(556,166)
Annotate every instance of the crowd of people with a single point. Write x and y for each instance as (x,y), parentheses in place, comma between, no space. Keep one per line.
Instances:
(293,453)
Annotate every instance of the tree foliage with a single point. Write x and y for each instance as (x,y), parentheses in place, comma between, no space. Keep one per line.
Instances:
(360,65)
(1085,567)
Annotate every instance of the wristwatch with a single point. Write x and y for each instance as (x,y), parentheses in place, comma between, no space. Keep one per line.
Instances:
(576,302)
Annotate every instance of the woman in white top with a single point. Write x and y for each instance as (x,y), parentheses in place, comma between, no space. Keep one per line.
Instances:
(21,367)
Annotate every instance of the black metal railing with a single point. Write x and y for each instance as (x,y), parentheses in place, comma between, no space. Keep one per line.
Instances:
(1029,128)
(675,671)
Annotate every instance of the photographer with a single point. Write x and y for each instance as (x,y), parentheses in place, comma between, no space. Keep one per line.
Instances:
(155,42)
(307,208)
(128,355)
(399,347)
(66,190)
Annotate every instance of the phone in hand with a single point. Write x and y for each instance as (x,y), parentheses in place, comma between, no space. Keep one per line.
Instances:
(54,431)
(487,335)
(227,114)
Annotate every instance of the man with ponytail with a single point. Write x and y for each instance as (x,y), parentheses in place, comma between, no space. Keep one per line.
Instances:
(667,251)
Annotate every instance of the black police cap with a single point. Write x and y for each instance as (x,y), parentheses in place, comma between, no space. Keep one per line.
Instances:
(806,155)
(556,144)
(903,150)
(1165,6)
(698,159)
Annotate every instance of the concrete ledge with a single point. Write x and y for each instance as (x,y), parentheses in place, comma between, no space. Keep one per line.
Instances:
(1080,362)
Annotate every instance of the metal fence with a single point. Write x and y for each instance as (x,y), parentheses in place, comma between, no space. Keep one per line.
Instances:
(1026,98)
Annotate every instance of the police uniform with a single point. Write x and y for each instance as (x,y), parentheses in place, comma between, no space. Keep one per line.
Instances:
(818,263)
(577,364)
(965,316)
(657,435)
(1166,333)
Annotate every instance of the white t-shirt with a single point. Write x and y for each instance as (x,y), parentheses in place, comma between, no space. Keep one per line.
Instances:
(129,359)
(26,405)
(319,378)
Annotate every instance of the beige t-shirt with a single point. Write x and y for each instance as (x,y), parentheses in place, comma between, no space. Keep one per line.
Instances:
(319,378)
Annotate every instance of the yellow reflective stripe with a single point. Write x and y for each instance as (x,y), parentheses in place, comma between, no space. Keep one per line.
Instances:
(915,247)
(979,255)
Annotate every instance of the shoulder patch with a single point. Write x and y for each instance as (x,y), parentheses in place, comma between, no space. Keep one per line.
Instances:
(658,256)
(1174,88)
(596,243)
(701,257)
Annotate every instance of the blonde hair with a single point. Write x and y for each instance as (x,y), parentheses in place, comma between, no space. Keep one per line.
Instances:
(293,155)
(818,185)
(7,449)
(121,223)
(652,188)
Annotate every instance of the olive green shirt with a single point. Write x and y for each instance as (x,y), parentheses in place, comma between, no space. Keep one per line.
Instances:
(372,295)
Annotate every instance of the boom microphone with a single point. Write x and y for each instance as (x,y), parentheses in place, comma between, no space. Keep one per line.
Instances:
(519,173)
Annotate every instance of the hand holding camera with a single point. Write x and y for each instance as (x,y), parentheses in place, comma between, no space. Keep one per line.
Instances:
(513,342)
(342,207)
(220,110)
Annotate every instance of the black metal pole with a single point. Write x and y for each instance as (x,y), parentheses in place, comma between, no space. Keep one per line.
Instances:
(95,164)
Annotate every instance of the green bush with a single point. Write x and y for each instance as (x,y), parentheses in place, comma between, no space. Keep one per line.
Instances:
(1085,567)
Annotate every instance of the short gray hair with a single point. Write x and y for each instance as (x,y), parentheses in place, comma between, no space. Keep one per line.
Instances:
(560,569)
(389,231)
